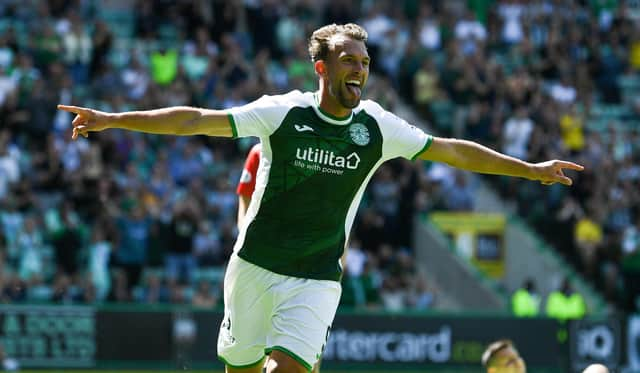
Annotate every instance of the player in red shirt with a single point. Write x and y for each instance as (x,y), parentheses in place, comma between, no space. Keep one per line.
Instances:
(247,183)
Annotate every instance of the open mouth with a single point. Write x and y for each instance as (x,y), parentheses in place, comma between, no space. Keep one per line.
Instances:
(354,86)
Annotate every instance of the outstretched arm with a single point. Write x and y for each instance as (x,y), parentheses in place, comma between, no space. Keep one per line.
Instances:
(471,156)
(178,120)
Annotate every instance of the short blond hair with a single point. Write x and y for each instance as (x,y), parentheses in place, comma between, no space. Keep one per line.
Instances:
(320,40)
(493,349)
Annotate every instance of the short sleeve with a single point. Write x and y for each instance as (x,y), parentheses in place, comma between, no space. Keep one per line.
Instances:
(402,139)
(259,118)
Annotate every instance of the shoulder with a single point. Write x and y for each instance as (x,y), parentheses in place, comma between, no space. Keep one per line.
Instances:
(383,117)
(291,99)
(370,107)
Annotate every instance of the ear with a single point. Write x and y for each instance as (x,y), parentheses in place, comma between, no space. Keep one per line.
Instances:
(320,67)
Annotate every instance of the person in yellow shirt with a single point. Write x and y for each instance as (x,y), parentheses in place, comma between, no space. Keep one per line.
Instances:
(164,66)
(425,88)
(565,303)
(588,237)
(572,130)
(634,52)
(525,302)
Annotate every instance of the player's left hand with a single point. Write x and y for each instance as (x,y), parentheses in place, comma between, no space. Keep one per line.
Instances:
(551,172)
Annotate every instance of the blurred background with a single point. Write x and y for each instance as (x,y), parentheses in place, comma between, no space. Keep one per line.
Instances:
(111,242)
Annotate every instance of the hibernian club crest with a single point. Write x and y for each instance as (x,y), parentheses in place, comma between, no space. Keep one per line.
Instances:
(359,134)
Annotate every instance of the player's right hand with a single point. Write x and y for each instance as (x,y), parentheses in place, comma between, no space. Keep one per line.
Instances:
(86,120)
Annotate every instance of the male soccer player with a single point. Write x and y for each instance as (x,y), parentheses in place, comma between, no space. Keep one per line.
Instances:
(244,190)
(319,150)
(502,357)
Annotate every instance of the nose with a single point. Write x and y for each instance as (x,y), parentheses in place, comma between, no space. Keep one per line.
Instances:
(358,66)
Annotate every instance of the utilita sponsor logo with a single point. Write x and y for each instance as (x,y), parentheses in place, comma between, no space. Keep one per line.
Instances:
(389,347)
(328,158)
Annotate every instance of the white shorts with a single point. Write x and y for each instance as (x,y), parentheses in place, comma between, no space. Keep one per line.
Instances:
(266,311)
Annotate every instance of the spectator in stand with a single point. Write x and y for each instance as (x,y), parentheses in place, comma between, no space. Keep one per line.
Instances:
(426,88)
(99,256)
(154,291)
(470,32)
(588,236)
(204,296)
(14,290)
(206,245)
(393,294)
(385,198)
(77,49)
(67,241)
(563,92)
(180,261)
(533,55)
(572,130)
(63,292)
(9,163)
(131,253)
(164,66)
(459,196)
(31,246)
(517,134)
(429,32)
(421,296)
(511,13)
(525,302)
(565,303)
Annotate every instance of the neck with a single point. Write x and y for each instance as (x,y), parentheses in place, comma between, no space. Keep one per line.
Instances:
(329,104)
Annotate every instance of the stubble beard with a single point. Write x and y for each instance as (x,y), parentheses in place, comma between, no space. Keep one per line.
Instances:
(342,99)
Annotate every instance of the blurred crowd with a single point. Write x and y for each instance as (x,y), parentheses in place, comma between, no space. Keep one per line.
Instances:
(128,217)
(545,80)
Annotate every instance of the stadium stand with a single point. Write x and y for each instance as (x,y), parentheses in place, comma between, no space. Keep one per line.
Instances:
(92,220)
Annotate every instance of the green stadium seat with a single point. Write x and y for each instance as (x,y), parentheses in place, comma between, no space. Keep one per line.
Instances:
(121,22)
(597,125)
(168,32)
(631,82)
(120,54)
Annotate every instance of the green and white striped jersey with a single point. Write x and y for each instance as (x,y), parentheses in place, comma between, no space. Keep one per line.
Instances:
(313,172)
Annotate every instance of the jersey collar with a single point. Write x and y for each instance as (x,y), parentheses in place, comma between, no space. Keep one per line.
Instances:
(328,117)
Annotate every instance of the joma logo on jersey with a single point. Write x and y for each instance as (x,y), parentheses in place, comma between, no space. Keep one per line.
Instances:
(328,158)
